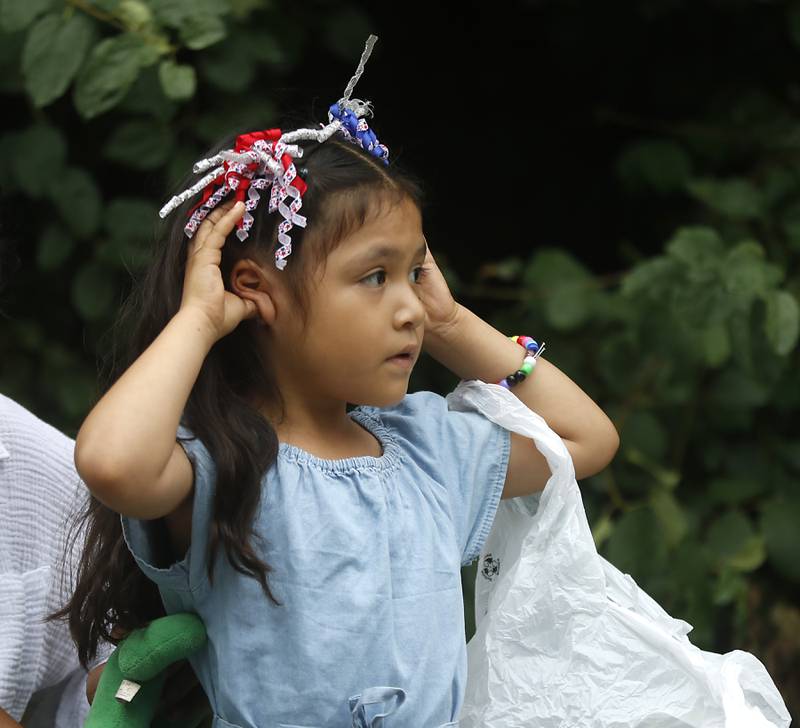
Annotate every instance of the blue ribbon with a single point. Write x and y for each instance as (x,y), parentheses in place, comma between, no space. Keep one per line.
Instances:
(358,132)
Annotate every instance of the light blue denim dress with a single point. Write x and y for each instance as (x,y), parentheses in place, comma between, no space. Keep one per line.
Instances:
(366,554)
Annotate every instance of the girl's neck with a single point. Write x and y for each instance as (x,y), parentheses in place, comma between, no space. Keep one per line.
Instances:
(330,437)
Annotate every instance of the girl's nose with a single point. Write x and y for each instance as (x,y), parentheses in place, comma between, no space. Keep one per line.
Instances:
(411,308)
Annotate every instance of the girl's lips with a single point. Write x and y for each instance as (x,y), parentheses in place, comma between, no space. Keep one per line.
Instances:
(404,360)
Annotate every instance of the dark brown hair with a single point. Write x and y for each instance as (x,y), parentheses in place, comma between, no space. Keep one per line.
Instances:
(345,187)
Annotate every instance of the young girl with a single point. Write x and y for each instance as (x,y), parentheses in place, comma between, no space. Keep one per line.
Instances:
(321,547)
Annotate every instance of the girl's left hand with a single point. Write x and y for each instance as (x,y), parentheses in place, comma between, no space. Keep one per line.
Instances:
(441,309)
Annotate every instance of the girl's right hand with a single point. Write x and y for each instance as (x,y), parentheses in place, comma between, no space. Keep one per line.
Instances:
(203,287)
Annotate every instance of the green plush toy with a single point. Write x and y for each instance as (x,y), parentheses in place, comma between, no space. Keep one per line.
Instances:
(130,686)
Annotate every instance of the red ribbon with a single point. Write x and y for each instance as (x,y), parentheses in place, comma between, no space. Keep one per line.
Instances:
(244,143)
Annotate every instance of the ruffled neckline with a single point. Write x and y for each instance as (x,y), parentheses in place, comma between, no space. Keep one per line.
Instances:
(371,422)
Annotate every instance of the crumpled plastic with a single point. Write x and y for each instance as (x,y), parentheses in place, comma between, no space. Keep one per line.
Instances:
(564,639)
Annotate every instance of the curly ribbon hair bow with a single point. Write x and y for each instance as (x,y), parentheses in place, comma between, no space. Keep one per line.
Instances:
(264,160)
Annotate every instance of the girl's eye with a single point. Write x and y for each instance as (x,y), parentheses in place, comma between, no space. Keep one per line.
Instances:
(371,276)
(418,271)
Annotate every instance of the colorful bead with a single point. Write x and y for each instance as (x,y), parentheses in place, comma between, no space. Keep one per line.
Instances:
(532,351)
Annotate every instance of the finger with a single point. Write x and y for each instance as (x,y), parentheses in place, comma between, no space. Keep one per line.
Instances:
(251,310)
(237,309)
(218,234)
(211,220)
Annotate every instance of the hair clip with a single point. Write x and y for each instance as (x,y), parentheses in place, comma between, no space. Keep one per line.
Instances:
(263,160)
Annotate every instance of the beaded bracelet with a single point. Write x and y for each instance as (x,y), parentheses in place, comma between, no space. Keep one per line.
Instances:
(527,365)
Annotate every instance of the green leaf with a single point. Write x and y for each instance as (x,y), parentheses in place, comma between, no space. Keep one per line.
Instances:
(146,97)
(141,144)
(650,279)
(263,46)
(665,477)
(659,164)
(736,389)
(602,529)
(696,247)
(782,323)
(174,13)
(670,515)
(112,67)
(53,52)
(200,30)
(78,200)
(643,431)
(734,543)
(716,344)
(735,198)
(93,291)
(746,273)
(750,556)
(19,14)
(729,587)
(562,286)
(55,246)
(779,520)
(734,489)
(38,159)
(241,9)
(636,545)
(229,66)
(178,81)
(568,305)
(134,14)
(700,306)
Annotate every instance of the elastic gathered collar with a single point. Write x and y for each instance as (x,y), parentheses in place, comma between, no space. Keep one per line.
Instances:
(368,420)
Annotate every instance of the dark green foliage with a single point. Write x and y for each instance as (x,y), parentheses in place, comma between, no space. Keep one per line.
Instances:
(692,351)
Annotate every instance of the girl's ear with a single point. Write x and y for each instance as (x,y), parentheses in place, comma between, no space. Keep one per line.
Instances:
(249,281)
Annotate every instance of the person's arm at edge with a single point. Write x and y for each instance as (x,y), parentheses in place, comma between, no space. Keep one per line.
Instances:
(92,679)
(6,721)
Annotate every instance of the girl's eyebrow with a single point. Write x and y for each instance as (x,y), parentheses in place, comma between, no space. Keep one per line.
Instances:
(386,252)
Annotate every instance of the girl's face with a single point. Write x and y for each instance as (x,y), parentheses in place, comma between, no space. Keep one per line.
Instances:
(365,309)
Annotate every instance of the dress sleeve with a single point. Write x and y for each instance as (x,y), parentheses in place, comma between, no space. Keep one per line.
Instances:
(466,452)
(148,539)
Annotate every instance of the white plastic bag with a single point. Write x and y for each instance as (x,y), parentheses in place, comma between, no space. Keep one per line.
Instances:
(564,639)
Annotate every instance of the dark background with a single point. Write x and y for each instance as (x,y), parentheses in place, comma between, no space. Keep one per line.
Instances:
(514,114)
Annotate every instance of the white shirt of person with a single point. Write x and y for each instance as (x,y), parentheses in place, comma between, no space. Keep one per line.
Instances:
(40,493)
